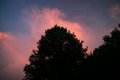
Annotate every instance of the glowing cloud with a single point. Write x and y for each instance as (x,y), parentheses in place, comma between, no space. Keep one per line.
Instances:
(4,36)
(40,20)
(12,60)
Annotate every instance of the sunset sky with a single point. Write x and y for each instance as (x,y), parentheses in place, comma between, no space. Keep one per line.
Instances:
(22,22)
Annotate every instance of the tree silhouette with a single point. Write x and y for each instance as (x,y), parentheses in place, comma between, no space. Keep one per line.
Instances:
(58,57)
(105,60)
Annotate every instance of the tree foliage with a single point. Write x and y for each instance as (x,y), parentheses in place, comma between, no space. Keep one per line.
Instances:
(105,60)
(58,57)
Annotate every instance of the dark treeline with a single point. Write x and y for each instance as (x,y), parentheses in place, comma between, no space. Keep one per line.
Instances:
(61,56)
(105,60)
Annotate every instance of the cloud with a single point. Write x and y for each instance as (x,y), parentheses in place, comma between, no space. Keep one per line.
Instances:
(115,12)
(40,20)
(5,36)
(16,49)
(12,61)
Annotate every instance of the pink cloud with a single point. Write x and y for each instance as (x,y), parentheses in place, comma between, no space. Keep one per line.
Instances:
(40,20)
(4,36)
(14,53)
(13,59)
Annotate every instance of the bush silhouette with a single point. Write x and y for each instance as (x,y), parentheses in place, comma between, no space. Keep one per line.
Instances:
(59,56)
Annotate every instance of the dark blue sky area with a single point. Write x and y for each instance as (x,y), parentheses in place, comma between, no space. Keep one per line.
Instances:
(90,13)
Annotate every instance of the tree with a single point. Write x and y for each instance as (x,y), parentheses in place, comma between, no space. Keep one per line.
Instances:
(105,60)
(58,57)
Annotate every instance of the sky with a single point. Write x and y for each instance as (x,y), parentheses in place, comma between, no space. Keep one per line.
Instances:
(22,22)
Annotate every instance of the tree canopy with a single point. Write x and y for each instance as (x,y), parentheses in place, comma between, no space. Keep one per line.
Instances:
(58,57)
